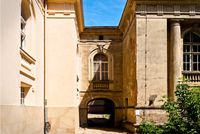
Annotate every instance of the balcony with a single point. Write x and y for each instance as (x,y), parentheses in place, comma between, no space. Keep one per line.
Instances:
(191,76)
(100,84)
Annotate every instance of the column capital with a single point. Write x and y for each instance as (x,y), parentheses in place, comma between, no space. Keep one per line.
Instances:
(175,22)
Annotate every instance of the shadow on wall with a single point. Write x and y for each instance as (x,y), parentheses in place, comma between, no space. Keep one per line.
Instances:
(27,9)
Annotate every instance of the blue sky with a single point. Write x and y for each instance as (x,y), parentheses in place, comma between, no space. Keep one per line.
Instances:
(103,12)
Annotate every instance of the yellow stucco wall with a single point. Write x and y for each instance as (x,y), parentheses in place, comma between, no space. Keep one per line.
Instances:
(61,62)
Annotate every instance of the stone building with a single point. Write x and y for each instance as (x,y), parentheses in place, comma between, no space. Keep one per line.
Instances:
(57,72)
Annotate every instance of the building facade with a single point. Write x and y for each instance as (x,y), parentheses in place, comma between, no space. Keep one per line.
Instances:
(57,75)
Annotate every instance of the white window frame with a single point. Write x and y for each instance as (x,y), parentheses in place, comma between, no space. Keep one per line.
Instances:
(100,63)
(190,54)
(110,64)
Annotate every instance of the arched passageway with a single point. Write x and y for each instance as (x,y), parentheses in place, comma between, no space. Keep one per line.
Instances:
(101,113)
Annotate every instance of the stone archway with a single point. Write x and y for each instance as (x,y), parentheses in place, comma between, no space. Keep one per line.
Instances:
(100,113)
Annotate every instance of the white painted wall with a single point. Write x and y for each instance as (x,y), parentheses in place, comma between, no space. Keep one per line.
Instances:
(35,47)
(0,55)
(10,30)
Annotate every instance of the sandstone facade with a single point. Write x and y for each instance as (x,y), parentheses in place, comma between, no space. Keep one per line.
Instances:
(53,67)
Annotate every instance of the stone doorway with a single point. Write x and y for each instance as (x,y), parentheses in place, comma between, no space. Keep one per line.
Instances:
(101,113)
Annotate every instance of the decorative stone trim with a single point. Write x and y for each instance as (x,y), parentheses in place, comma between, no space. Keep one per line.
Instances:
(27,57)
(94,42)
(64,12)
(161,9)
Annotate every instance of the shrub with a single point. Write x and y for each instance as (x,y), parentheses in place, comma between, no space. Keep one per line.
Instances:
(184,114)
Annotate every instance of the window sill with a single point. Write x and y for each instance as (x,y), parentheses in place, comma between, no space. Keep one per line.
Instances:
(190,72)
(27,57)
(101,81)
(101,85)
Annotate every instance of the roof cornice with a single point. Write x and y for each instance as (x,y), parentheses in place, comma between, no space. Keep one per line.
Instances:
(167,1)
(61,1)
(78,10)
(79,15)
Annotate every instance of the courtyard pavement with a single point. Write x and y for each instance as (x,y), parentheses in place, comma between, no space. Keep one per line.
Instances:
(102,131)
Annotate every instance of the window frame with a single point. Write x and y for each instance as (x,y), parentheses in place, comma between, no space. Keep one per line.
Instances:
(188,56)
(91,64)
(22,96)
(102,69)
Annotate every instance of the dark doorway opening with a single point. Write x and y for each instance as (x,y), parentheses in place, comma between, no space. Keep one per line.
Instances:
(101,113)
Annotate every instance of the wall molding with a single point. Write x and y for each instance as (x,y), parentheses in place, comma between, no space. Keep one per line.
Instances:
(164,9)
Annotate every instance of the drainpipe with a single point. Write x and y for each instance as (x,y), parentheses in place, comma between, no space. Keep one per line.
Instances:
(46,123)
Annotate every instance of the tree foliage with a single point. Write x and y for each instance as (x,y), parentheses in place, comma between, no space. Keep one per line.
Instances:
(184,114)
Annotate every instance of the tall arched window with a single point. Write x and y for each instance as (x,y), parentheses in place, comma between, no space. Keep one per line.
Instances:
(100,67)
(191,52)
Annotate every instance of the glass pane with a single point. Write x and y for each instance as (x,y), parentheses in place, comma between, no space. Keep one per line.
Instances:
(186,48)
(104,76)
(194,48)
(199,58)
(195,37)
(187,37)
(97,76)
(186,58)
(100,57)
(194,66)
(106,67)
(199,48)
(195,58)
(184,67)
(103,67)
(188,67)
(104,58)
(97,57)
(96,67)
(198,66)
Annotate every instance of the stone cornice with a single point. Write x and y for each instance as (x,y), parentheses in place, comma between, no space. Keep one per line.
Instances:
(167,1)
(61,1)
(79,15)
(168,9)
(78,11)
(94,42)
(101,31)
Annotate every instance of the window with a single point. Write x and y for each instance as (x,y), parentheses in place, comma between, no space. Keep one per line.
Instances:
(100,37)
(25,88)
(100,67)
(23,35)
(191,52)
(22,97)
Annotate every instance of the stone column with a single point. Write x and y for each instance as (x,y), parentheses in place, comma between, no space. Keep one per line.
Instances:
(176,56)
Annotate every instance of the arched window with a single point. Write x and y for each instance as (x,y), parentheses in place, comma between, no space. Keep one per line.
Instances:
(191,52)
(100,62)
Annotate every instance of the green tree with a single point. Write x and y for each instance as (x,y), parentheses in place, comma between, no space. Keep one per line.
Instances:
(184,114)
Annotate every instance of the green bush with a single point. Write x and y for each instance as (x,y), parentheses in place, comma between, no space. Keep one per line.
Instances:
(184,114)
(150,128)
